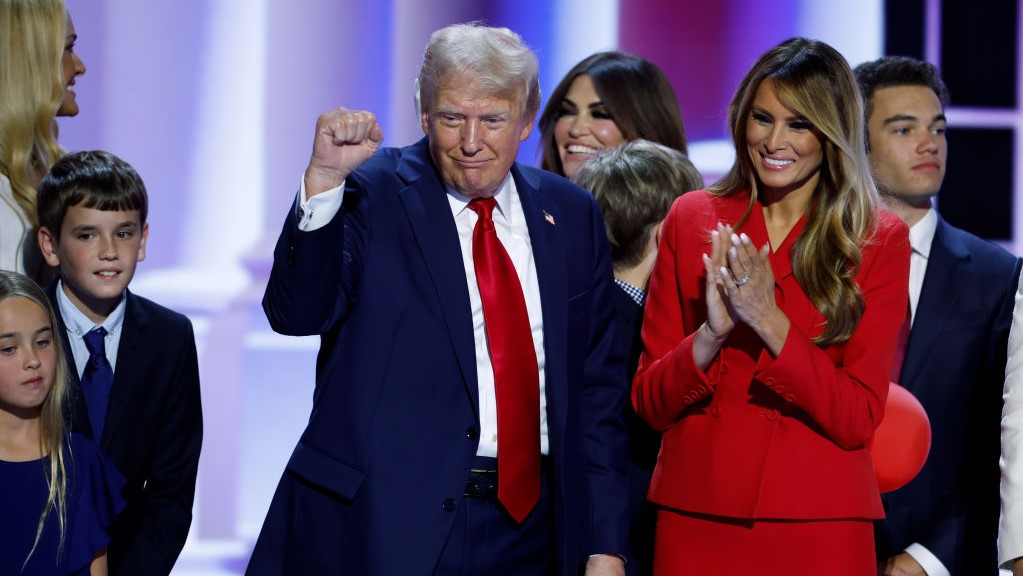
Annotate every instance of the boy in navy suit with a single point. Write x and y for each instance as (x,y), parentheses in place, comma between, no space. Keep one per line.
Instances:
(135,389)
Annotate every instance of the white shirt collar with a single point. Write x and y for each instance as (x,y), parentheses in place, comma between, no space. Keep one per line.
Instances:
(78,323)
(921,234)
(506,194)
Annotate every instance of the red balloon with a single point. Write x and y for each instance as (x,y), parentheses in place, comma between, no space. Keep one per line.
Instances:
(901,442)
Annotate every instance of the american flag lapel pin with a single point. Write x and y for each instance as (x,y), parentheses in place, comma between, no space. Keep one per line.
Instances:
(547,216)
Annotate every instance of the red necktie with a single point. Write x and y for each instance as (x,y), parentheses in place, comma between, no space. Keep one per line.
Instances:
(900,349)
(516,376)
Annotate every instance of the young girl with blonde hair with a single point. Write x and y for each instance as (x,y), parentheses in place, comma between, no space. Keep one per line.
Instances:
(60,493)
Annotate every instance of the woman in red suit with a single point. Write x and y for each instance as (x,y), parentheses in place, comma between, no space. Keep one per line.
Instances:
(769,334)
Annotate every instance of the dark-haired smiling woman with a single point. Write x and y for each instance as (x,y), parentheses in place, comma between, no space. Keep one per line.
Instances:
(607,99)
(769,334)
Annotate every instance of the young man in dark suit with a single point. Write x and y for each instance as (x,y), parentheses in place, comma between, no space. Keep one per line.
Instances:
(135,389)
(961,297)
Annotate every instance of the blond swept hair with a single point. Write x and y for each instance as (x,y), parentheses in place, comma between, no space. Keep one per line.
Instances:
(52,433)
(815,80)
(32,34)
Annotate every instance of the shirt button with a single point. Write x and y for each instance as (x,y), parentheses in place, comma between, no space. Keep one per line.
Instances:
(448,505)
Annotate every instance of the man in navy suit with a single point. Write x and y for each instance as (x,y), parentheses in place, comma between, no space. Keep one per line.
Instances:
(400,468)
(92,216)
(961,296)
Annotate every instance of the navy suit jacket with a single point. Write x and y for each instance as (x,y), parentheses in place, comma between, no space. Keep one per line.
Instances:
(955,366)
(153,433)
(378,473)
(644,444)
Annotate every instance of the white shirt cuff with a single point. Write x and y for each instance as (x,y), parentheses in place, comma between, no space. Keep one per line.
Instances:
(928,561)
(316,212)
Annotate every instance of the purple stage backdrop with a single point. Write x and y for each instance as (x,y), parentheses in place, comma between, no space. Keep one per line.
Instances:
(214,102)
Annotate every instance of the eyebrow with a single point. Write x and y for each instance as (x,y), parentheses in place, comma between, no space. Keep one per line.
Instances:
(92,228)
(37,332)
(911,118)
(789,118)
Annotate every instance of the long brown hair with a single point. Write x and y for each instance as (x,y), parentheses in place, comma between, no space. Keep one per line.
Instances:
(812,78)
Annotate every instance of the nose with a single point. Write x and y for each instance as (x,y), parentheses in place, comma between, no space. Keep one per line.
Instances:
(928,142)
(471,137)
(32,361)
(776,138)
(579,126)
(107,249)
(79,65)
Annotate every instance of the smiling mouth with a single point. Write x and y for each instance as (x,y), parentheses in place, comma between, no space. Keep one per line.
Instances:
(579,149)
(777,163)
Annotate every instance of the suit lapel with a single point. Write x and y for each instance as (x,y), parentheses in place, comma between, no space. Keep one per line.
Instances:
(130,360)
(549,256)
(429,214)
(940,294)
(75,411)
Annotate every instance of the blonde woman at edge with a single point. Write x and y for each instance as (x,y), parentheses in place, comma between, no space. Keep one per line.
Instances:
(38,68)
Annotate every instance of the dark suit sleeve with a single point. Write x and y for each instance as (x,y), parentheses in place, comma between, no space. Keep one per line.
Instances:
(170,482)
(605,397)
(309,289)
(964,529)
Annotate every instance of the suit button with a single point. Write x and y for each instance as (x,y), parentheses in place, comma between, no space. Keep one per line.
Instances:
(769,381)
(448,505)
(472,433)
(771,415)
(790,398)
(779,389)
(715,410)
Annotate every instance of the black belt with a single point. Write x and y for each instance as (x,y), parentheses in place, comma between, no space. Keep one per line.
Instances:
(482,481)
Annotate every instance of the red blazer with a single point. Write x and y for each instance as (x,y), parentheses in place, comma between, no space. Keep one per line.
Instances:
(756,436)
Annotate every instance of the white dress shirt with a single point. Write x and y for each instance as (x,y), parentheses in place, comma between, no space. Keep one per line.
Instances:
(1010,525)
(510,223)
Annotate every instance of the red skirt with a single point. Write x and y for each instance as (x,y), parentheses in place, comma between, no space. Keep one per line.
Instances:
(701,545)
